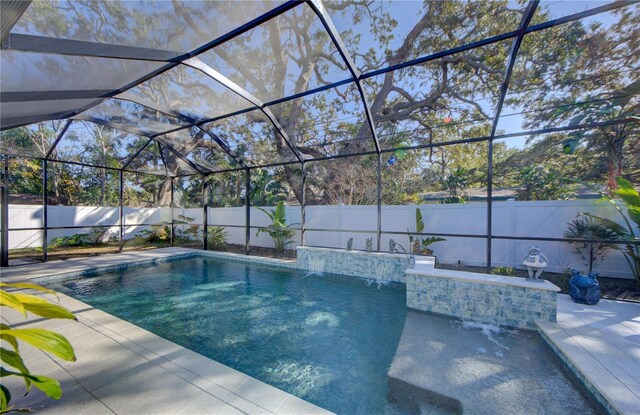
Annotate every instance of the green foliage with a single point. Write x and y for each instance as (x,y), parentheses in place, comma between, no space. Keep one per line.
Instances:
(631,200)
(540,184)
(420,244)
(158,234)
(189,233)
(508,271)
(217,238)
(79,239)
(455,183)
(266,188)
(587,227)
(45,340)
(279,230)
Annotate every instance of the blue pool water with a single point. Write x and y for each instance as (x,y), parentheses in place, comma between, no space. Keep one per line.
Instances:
(328,339)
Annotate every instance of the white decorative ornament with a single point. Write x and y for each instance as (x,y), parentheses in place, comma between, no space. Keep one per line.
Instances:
(535,261)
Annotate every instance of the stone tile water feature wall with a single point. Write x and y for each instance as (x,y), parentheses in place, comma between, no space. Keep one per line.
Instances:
(382,267)
(492,299)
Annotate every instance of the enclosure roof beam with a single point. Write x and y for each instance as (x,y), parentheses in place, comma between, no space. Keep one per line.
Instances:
(196,63)
(515,48)
(58,46)
(14,122)
(427,58)
(282,8)
(12,10)
(26,96)
(137,131)
(128,96)
(57,140)
(164,161)
(512,135)
(140,150)
(324,17)
(498,38)
(172,113)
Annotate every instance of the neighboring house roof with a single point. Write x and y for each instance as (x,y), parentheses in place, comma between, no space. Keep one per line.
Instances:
(500,193)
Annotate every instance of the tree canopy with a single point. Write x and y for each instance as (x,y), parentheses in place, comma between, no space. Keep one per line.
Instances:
(583,71)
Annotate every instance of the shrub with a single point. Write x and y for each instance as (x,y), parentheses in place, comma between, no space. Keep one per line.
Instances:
(508,271)
(217,238)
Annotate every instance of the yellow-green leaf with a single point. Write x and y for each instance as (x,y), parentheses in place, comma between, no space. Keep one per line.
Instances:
(45,340)
(5,398)
(13,359)
(10,300)
(42,307)
(27,285)
(13,342)
(49,386)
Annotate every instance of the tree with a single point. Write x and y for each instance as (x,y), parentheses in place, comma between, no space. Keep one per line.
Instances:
(583,72)
(442,100)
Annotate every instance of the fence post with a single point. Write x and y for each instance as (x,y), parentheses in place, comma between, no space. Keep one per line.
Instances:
(510,215)
(45,218)
(489,203)
(205,212)
(171,209)
(4,214)
(121,211)
(247,212)
(303,203)
(379,203)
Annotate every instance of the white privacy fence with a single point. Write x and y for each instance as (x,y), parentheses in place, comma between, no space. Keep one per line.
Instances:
(332,226)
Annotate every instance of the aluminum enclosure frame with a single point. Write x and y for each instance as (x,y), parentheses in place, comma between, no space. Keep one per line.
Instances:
(17,42)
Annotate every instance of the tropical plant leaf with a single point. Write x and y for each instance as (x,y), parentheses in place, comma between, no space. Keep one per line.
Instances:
(5,398)
(13,359)
(28,286)
(614,226)
(10,300)
(49,386)
(46,340)
(631,198)
(9,339)
(419,221)
(43,307)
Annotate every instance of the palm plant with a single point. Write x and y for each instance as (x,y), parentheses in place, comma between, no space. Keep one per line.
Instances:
(631,200)
(587,227)
(279,230)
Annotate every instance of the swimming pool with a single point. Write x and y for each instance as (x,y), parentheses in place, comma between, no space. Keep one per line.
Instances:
(328,339)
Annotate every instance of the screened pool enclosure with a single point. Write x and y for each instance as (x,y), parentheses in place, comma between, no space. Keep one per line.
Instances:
(148,115)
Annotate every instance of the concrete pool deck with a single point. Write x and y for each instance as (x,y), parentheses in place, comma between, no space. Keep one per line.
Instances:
(601,345)
(122,368)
